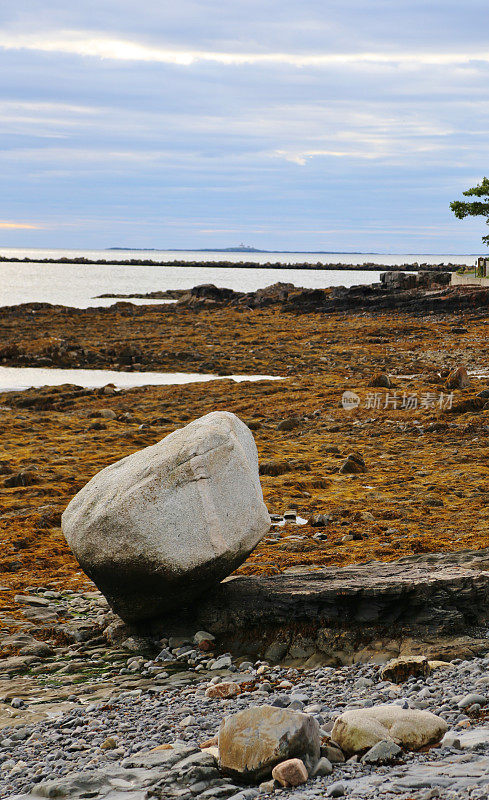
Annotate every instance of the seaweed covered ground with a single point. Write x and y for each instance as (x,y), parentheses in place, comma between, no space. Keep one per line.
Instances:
(425,448)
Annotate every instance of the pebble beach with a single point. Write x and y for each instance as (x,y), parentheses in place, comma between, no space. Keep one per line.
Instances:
(133,726)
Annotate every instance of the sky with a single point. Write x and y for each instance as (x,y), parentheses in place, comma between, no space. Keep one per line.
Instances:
(311,125)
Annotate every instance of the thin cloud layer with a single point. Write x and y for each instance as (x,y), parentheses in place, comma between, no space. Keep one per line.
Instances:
(86,44)
(18,226)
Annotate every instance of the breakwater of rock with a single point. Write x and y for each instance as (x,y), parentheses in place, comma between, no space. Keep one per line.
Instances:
(149,262)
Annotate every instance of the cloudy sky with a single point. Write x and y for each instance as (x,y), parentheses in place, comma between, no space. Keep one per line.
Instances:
(291,124)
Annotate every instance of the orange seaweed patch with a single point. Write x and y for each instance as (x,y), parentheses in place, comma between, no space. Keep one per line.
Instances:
(425,488)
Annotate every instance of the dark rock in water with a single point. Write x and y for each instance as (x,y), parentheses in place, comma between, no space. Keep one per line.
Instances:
(158,528)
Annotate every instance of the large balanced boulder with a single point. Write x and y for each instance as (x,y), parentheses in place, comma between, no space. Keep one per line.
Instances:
(253,741)
(159,527)
(359,729)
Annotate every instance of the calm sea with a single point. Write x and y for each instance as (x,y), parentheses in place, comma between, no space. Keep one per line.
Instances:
(78,284)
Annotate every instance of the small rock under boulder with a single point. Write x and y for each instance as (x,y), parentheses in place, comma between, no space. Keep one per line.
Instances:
(158,528)
(254,740)
(290,773)
(382,753)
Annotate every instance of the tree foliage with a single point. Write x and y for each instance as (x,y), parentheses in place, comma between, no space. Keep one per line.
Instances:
(475,208)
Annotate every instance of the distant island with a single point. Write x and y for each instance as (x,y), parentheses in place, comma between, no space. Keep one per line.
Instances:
(241,248)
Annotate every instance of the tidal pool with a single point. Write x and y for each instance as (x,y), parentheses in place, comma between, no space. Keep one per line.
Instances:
(16,379)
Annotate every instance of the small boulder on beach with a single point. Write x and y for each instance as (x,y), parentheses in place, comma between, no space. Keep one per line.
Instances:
(255,740)
(360,729)
(160,527)
(399,670)
(290,773)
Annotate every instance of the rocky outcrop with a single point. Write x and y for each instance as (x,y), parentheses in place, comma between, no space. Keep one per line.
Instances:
(425,279)
(208,295)
(104,349)
(398,280)
(433,605)
(158,528)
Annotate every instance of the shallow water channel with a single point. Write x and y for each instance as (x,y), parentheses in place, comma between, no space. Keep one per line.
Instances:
(15,379)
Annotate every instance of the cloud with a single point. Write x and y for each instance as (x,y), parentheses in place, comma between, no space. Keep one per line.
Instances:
(19,226)
(85,43)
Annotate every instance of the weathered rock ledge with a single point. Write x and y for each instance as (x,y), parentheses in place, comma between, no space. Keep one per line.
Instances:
(435,604)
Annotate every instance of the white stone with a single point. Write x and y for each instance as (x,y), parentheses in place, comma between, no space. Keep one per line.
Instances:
(360,729)
(156,529)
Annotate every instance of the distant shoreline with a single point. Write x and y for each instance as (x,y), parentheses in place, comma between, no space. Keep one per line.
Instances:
(146,262)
